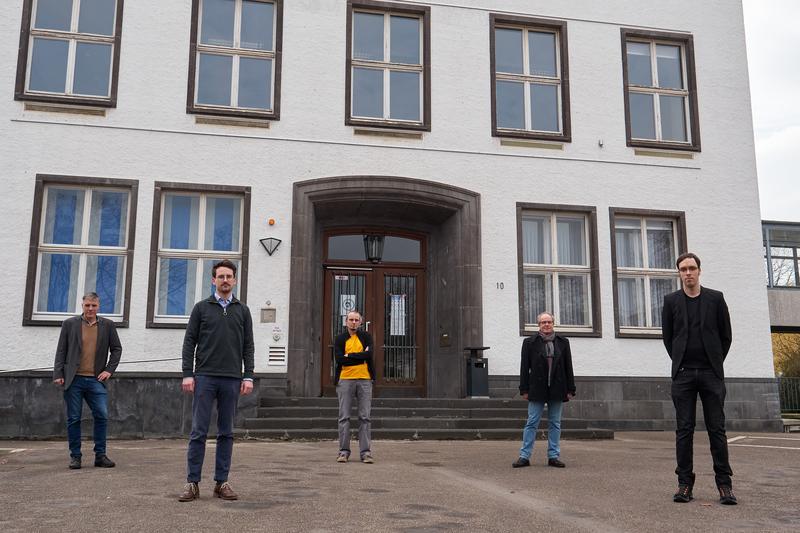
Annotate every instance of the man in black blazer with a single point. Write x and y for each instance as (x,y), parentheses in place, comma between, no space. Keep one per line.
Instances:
(696,330)
(82,366)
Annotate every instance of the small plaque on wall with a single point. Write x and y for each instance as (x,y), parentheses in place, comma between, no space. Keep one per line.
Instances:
(268,315)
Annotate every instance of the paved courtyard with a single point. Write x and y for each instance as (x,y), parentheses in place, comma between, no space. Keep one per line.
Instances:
(425,486)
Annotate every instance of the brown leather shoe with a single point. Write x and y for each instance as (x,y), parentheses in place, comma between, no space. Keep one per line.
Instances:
(223,490)
(190,492)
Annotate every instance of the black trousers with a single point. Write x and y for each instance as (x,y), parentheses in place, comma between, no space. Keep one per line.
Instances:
(686,386)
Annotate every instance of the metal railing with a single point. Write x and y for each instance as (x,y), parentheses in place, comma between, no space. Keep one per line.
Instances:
(790,394)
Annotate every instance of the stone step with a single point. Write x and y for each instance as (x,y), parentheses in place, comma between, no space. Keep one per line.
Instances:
(442,403)
(514,424)
(422,434)
(384,412)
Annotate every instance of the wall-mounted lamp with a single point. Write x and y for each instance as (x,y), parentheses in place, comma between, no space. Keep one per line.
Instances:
(270,244)
(373,247)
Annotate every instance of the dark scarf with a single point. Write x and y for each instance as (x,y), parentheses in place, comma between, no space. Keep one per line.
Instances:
(549,352)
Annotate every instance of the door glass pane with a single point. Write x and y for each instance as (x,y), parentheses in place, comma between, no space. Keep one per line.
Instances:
(92,69)
(97,16)
(208,288)
(368,36)
(404,94)
(346,247)
(643,122)
(255,82)
(63,221)
(223,216)
(544,107)
(109,218)
(508,50)
(58,283)
(177,282)
(628,236)
(216,26)
(404,40)
(510,105)
(571,241)
(668,62)
(673,118)
(257,25)
(105,275)
(401,249)
(639,69)
(214,80)
(48,65)
(53,15)
(537,295)
(536,240)
(660,287)
(367,92)
(180,222)
(348,295)
(630,297)
(542,53)
(399,329)
(573,299)
(660,244)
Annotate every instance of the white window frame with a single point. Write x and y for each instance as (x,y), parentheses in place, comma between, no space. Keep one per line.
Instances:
(236,52)
(555,268)
(201,284)
(526,78)
(387,66)
(73,37)
(82,249)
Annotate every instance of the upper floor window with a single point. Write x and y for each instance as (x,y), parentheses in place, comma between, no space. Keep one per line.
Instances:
(660,90)
(83,234)
(197,227)
(645,245)
(69,51)
(235,58)
(557,248)
(782,255)
(388,65)
(530,80)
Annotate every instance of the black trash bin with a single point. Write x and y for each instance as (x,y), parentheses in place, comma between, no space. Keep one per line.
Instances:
(477,373)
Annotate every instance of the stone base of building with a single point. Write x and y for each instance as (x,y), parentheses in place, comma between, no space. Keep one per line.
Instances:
(151,404)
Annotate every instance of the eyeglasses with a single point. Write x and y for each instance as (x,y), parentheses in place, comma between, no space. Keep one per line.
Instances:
(225,276)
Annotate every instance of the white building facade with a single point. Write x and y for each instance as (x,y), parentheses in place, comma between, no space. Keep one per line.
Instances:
(510,157)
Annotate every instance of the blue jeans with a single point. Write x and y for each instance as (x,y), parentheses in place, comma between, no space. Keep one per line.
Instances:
(226,392)
(89,389)
(535,410)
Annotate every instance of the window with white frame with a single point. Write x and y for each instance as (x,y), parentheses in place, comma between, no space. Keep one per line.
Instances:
(556,269)
(659,77)
(387,64)
(645,250)
(237,57)
(782,255)
(71,51)
(196,230)
(529,68)
(83,246)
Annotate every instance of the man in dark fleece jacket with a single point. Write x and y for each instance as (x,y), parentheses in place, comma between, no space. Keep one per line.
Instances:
(218,342)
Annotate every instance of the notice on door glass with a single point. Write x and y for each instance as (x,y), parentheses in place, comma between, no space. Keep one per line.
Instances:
(397,324)
(347,303)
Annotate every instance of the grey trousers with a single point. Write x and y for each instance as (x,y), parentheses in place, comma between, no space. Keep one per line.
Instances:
(362,389)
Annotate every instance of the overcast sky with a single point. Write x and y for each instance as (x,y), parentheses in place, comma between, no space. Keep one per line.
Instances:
(773,54)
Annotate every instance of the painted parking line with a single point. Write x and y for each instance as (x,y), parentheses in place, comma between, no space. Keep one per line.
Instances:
(12,450)
(737,441)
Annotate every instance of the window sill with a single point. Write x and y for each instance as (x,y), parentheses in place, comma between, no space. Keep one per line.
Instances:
(387,125)
(665,149)
(165,325)
(232,121)
(52,323)
(587,333)
(663,153)
(65,108)
(233,113)
(547,145)
(639,334)
(377,132)
(552,139)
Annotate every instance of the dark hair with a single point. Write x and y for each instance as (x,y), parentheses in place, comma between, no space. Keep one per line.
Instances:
(90,296)
(227,263)
(687,255)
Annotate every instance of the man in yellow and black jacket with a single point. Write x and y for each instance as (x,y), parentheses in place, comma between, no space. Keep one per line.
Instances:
(354,376)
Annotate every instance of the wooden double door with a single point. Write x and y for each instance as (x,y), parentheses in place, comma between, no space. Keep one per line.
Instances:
(392,304)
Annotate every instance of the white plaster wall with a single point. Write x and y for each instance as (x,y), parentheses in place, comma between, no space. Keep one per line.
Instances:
(150,137)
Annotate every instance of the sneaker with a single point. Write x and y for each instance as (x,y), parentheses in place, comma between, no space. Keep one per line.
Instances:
(520,462)
(556,463)
(190,492)
(367,458)
(74,463)
(224,491)
(684,494)
(726,496)
(104,462)
(342,457)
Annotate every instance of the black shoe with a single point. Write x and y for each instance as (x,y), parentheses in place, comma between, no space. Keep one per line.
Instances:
(684,494)
(520,462)
(726,496)
(556,463)
(104,462)
(74,463)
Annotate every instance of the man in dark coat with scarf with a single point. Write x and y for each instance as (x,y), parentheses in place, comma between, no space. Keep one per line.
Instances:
(545,377)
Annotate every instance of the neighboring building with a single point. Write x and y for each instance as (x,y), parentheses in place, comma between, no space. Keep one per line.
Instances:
(497,158)
(782,268)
